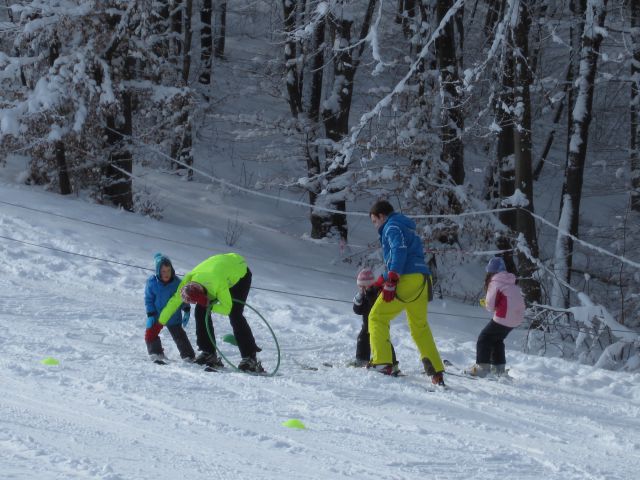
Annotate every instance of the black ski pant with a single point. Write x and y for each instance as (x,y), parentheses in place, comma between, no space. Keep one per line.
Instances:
(179,337)
(363,345)
(490,346)
(241,330)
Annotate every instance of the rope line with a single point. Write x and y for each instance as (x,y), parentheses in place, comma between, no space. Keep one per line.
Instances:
(284,292)
(229,362)
(170,240)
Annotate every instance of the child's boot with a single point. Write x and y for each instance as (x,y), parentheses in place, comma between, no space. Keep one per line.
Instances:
(499,369)
(479,370)
(358,363)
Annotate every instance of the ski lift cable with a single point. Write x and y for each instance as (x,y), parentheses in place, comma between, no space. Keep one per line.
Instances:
(298,202)
(363,214)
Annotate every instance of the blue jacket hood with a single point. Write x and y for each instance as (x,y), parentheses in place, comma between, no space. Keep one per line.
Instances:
(161,260)
(403,220)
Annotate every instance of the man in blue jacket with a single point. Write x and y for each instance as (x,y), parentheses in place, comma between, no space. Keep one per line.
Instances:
(405,286)
(158,290)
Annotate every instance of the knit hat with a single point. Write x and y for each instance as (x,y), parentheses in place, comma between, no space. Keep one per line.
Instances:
(160,260)
(366,278)
(193,292)
(495,265)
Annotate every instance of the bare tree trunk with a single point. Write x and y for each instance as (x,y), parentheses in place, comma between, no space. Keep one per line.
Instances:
(577,8)
(315,98)
(500,180)
(206,42)
(405,14)
(595,14)
(452,118)
(63,174)
(161,28)
(186,150)
(221,29)
(61,159)
(504,168)
(505,148)
(494,12)
(552,133)
(335,115)
(186,53)
(176,28)
(181,148)
(634,160)
(290,8)
(522,148)
(295,90)
(118,187)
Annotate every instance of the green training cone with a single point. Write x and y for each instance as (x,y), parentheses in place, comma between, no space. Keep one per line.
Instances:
(294,423)
(49,361)
(229,338)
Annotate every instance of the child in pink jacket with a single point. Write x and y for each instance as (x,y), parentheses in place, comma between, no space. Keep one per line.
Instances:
(504,299)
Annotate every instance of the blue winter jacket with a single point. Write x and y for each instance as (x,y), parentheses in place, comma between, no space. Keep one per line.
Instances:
(157,294)
(401,246)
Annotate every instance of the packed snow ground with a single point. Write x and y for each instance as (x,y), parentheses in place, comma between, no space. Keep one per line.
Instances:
(106,412)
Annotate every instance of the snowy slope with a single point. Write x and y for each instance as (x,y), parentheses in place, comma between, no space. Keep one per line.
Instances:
(106,412)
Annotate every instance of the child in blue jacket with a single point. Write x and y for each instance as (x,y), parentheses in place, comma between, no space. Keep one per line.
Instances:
(158,290)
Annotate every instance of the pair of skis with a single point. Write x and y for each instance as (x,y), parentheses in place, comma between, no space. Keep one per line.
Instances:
(424,384)
(459,372)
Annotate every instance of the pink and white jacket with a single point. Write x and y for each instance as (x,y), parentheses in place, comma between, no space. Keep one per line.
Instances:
(504,299)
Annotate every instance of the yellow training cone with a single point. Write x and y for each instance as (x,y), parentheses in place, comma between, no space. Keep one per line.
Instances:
(294,423)
(49,361)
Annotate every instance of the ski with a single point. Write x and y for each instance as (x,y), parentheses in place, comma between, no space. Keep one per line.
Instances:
(459,372)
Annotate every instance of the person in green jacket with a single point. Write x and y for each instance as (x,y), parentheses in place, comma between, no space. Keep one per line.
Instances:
(215,284)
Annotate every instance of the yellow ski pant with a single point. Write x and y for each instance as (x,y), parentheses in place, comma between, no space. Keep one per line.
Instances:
(412,296)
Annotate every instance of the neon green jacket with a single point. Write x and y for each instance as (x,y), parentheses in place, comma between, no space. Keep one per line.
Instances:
(217,274)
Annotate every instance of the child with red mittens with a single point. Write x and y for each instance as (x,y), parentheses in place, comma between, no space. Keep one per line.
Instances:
(158,289)
(368,292)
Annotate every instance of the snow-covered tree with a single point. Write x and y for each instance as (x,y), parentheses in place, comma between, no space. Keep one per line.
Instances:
(332,24)
(594,18)
(78,71)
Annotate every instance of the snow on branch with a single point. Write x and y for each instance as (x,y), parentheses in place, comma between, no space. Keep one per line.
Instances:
(344,157)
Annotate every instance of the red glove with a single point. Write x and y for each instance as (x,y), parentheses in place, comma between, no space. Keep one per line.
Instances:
(379,283)
(150,334)
(389,290)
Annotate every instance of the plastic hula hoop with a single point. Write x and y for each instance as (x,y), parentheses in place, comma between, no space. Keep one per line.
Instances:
(235,367)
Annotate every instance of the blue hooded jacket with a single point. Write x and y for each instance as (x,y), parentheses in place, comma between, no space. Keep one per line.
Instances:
(157,293)
(401,246)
